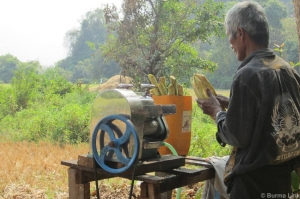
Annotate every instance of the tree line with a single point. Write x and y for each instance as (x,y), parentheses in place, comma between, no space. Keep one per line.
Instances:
(162,38)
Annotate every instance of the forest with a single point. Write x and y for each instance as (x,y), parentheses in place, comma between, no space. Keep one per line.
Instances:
(162,39)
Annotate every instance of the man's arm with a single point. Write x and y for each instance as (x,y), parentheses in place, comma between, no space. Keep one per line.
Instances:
(224,101)
(236,126)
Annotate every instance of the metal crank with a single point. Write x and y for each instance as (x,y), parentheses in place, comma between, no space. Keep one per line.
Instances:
(118,146)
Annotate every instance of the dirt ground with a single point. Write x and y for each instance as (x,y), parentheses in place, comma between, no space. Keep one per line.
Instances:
(106,191)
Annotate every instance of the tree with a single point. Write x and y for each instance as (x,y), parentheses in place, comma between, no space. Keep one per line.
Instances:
(157,36)
(297,17)
(8,64)
(221,53)
(53,82)
(100,68)
(92,30)
(275,11)
(24,83)
(84,61)
(290,40)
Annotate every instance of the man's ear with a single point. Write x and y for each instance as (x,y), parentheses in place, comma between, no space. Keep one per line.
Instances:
(241,33)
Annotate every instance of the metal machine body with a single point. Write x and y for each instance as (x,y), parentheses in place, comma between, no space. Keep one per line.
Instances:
(119,114)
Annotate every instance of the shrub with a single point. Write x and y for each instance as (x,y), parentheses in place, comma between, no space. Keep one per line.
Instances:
(63,119)
(24,85)
(52,82)
(7,104)
(203,142)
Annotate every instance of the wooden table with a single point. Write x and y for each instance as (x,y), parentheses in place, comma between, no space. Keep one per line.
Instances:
(172,175)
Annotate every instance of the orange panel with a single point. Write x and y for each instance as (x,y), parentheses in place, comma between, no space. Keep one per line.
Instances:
(179,124)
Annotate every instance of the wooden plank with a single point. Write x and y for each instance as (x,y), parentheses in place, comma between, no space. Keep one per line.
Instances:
(69,163)
(83,160)
(186,172)
(151,178)
(86,174)
(196,158)
(170,182)
(89,176)
(80,176)
(150,165)
(86,160)
(198,163)
(182,180)
(159,164)
(202,173)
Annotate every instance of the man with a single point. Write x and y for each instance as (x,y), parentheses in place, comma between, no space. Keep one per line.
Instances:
(262,121)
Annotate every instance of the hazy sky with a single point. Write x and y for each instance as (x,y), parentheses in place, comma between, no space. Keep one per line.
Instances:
(35,29)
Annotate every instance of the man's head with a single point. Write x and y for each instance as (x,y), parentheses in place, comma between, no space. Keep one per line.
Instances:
(246,18)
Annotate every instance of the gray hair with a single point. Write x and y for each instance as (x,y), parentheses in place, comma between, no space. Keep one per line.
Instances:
(250,16)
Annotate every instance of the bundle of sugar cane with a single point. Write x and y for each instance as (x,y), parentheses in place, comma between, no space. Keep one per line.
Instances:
(200,84)
(161,89)
(172,88)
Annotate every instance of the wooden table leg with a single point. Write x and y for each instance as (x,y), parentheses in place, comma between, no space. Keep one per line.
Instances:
(154,191)
(150,191)
(168,194)
(77,191)
(144,190)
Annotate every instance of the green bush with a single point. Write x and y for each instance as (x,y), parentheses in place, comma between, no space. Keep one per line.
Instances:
(73,126)
(203,142)
(24,84)
(63,121)
(51,82)
(7,103)
(45,107)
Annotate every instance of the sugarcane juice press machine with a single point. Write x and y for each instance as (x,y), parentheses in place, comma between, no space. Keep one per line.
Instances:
(127,129)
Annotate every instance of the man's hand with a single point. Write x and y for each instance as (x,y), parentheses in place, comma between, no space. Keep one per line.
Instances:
(210,106)
(224,101)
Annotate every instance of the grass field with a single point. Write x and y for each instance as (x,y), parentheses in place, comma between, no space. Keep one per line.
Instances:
(5,85)
(33,170)
(37,165)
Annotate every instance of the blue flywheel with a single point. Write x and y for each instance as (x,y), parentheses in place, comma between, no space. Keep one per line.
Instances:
(117,147)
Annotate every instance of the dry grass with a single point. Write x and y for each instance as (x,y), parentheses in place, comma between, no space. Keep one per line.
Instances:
(36,166)
(112,83)
(33,170)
